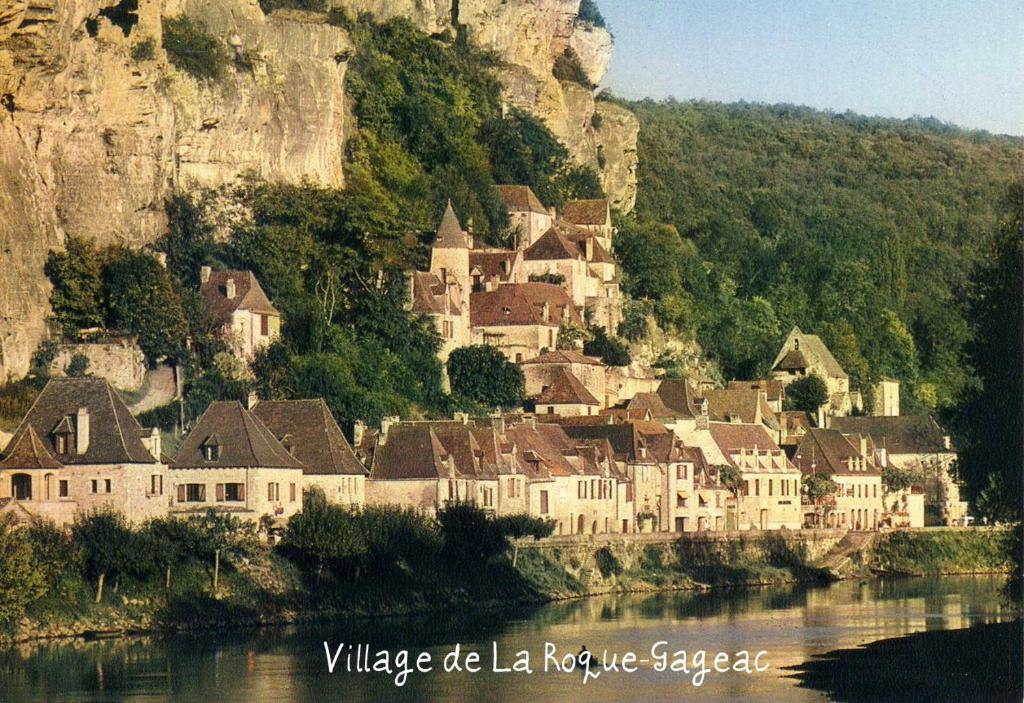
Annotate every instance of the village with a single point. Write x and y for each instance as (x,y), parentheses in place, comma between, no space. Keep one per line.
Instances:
(597,450)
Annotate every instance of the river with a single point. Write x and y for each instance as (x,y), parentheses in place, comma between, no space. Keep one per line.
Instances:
(790,624)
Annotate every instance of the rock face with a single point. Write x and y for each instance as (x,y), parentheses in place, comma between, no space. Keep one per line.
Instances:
(97,128)
(95,134)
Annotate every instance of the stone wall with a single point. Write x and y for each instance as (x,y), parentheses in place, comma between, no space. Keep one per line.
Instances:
(124,365)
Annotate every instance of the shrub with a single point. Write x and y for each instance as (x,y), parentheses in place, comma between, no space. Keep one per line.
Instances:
(482,374)
(78,366)
(807,394)
(552,278)
(44,355)
(612,351)
(568,68)
(21,581)
(590,14)
(144,50)
(596,120)
(192,49)
(163,417)
(607,563)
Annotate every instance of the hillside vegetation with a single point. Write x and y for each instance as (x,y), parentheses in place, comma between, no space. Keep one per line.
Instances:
(753,218)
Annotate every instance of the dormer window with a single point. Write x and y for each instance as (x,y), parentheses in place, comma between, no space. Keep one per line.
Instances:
(63,435)
(62,443)
(211,448)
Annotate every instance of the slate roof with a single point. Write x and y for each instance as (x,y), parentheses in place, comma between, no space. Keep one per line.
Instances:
(627,439)
(649,402)
(811,349)
(450,234)
(552,246)
(521,304)
(114,434)
(521,199)
(27,451)
(734,437)
(563,356)
(248,295)
(680,396)
(493,264)
(742,405)
(313,434)
(829,451)
(566,389)
(429,294)
(774,390)
(586,212)
(243,439)
(903,434)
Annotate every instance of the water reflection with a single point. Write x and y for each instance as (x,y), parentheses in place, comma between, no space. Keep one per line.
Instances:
(792,623)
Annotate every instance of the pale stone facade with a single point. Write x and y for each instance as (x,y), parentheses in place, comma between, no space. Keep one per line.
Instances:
(249,322)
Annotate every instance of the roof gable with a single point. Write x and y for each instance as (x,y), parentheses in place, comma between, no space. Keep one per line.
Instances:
(566,389)
(243,439)
(450,234)
(520,199)
(314,436)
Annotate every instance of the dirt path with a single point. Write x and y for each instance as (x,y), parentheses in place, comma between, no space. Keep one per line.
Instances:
(161,389)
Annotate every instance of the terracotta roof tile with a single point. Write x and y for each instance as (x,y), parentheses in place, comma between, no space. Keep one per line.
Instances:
(903,434)
(586,212)
(314,435)
(828,451)
(522,304)
(249,295)
(27,451)
(521,199)
(563,356)
(552,246)
(566,389)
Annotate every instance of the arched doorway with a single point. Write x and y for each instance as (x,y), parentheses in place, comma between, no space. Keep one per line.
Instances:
(580,525)
(21,487)
(593,528)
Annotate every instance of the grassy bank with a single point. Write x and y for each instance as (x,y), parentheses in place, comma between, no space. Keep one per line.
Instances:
(967,551)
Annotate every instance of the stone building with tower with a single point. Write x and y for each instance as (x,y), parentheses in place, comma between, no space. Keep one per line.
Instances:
(248,320)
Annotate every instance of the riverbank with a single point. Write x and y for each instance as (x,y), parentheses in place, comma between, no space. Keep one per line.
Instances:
(266,588)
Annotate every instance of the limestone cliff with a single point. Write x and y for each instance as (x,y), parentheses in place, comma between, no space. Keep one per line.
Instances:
(97,128)
(94,134)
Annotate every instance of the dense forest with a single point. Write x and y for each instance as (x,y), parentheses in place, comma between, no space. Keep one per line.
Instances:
(753,218)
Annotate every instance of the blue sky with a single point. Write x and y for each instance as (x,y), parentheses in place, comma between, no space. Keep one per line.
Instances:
(962,62)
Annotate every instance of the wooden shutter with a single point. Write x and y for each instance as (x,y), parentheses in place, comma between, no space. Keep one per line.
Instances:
(241,491)
(220,492)
(181,492)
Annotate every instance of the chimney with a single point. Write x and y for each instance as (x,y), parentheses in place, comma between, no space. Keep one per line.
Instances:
(82,431)
(498,424)
(154,443)
(762,397)
(251,401)
(358,430)
(385,427)
(946,442)
(546,312)
(702,415)
(229,289)
(204,274)
(588,248)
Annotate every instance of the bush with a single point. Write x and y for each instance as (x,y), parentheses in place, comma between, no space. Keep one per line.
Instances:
(612,351)
(163,417)
(21,581)
(78,366)
(567,67)
(607,563)
(807,394)
(482,374)
(590,14)
(556,279)
(144,50)
(191,48)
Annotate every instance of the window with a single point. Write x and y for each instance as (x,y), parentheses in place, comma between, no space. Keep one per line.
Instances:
(680,502)
(581,490)
(233,492)
(681,471)
(156,485)
(95,486)
(62,444)
(273,491)
(746,488)
(770,490)
(62,488)
(543,502)
(106,485)
(757,486)
(192,493)
(265,325)
(519,358)
(593,486)
(629,492)
(211,452)
(291,492)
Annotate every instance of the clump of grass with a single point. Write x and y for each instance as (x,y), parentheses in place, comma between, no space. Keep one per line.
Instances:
(144,50)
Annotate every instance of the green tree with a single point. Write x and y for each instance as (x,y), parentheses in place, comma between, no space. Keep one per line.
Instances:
(192,48)
(142,299)
(171,541)
(323,535)
(77,296)
(108,546)
(78,366)
(21,581)
(482,374)
(806,394)
(988,425)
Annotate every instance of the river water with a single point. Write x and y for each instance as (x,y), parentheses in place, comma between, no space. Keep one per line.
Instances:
(790,624)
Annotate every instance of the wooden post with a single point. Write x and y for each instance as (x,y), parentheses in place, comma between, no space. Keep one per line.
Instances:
(99,586)
(216,570)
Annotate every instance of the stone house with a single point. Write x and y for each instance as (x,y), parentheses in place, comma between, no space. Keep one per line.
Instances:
(805,354)
(914,443)
(770,494)
(248,320)
(595,216)
(528,218)
(747,406)
(230,461)
(308,430)
(521,319)
(858,502)
(540,371)
(79,449)
(774,391)
(565,395)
